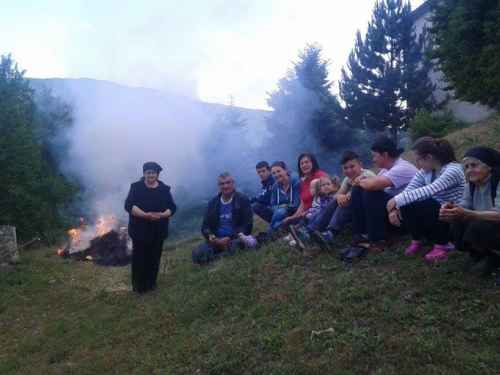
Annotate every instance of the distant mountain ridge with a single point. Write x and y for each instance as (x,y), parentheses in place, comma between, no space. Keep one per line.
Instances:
(117,128)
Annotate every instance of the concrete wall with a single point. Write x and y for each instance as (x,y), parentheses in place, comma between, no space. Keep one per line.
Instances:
(8,243)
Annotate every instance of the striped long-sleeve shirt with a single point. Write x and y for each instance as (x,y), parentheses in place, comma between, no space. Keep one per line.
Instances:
(449,184)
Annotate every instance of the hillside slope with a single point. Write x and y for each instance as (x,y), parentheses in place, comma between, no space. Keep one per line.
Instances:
(278,310)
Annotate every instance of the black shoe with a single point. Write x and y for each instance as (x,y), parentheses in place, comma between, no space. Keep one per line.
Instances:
(263,238)
(483,266)
(343,252)
(357,252)
(346,250)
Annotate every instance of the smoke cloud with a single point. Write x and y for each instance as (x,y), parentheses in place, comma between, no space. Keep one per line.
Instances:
(117,129)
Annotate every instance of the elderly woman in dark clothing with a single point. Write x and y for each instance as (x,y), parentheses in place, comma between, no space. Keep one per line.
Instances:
(475,221)
(150,205)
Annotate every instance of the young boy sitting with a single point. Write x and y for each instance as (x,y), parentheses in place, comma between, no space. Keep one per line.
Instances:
(261,203)
(337,214)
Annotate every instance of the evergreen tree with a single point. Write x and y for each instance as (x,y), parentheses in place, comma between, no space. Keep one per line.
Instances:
(32,191)
(230,119)
(467,39)
(386,79)
(305,116)
(225,148)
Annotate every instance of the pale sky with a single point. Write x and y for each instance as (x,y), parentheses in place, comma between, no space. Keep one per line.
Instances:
(203,49)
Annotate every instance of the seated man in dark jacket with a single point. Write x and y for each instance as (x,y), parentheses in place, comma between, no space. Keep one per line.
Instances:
(228,214)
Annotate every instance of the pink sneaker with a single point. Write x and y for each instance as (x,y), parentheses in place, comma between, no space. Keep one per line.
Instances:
(440,251)
(415,247)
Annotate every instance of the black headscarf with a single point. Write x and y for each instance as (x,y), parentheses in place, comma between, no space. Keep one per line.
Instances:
(151,166)
(485,154)
(491,158)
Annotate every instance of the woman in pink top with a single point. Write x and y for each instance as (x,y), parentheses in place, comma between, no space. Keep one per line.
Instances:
(308,168)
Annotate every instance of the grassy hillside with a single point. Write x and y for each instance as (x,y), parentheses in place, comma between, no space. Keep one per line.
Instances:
(485,132)
(255,313)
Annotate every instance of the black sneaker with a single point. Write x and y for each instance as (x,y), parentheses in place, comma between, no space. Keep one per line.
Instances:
(343,252)
(357,252)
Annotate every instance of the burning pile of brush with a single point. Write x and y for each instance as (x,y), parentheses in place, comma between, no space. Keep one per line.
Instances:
(105,243)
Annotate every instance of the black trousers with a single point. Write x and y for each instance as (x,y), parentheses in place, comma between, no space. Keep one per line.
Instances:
(145,264)
(478,237)
(369,213)
(422,220)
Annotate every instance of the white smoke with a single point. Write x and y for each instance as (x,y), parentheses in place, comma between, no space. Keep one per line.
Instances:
(117,129)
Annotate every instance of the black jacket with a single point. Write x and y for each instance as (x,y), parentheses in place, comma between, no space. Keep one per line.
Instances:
(242,216)
(158,199)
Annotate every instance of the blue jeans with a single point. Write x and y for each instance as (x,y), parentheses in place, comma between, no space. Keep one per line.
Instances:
(332,218)
(278,216)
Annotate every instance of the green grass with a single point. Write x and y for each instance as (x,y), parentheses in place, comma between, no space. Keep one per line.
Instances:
(252,314)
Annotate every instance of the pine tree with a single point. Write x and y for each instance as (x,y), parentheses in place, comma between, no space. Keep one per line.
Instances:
(386,79)
(226,146)
(467,39)
(305,115)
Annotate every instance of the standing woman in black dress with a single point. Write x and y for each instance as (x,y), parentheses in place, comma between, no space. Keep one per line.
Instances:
(149,204)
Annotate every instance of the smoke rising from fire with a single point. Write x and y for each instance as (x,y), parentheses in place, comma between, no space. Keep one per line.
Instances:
(117,129)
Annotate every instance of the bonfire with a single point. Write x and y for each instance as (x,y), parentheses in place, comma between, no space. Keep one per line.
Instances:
(105,243)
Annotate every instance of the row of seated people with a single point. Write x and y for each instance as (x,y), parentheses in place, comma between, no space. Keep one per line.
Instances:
(434,204)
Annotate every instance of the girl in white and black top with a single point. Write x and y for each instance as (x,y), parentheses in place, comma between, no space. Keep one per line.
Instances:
(440,179)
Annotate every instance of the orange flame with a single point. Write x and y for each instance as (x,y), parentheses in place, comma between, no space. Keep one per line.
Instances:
(106,224)
(80,237)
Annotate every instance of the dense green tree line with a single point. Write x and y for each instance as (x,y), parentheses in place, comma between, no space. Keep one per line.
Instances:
(34,195)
